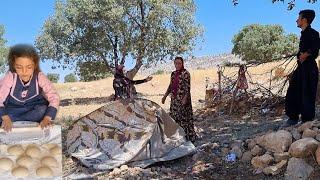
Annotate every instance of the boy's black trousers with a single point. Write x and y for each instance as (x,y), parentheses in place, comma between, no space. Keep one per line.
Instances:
(301,94)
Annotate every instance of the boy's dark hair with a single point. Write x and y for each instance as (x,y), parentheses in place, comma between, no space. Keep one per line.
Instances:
(23,50)
(309,14)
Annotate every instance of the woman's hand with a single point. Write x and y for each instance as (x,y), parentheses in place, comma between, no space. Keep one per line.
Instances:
(46,122)
(149,78)
(164,99)
(6,123)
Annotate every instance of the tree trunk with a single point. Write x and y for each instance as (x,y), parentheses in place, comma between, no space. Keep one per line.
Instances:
(131,73)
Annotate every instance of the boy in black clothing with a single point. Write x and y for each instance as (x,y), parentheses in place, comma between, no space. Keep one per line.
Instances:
(301,94)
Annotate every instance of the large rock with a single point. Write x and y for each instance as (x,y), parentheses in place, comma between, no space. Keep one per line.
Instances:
(303,147)
(304,126)
(261,162)
(281,156)
(316,129)
(276,169)
(276,141)
(256,151)
(296,134)
(250,143)
(246,157)
(309,133)
(318,137)
(318,155)
(298,169)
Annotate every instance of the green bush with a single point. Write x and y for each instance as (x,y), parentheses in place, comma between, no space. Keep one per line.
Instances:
(230,64)
(53,77)
(158,72)
(92,70)
(70,78)
(258,43)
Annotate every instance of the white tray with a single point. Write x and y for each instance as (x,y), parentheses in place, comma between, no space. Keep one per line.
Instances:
(27,135)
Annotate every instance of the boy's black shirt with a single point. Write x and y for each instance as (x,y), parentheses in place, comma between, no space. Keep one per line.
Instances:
(309,42)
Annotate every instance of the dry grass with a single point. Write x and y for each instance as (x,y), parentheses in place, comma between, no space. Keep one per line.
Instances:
(76,111)
(152,90)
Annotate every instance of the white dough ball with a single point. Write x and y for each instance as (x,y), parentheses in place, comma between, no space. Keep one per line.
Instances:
(24,160)
(15,150)
(49,161)
(56,150)
(33,151)
(20,171)
(6,163)
(44,171)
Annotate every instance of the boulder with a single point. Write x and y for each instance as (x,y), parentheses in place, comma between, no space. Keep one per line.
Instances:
(298,169)
(278,141)
(303,147)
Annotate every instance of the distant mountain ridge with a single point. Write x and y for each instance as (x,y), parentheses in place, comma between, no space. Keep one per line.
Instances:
(204,62)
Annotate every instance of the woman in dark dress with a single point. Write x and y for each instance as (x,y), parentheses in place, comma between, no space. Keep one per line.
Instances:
(180,105)
(123,85)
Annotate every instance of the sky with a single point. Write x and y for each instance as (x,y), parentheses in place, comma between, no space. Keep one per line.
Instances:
(23,20)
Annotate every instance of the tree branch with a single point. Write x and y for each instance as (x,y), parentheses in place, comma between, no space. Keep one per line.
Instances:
(115,49)
(111,69)
(134,19)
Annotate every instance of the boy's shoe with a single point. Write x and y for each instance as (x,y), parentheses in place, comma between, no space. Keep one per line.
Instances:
(289,123)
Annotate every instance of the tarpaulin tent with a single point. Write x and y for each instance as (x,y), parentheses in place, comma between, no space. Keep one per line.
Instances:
(135,132)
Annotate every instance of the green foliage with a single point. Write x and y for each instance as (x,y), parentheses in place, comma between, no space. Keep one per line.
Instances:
(92,70)
(262,43)
(230,64)
(3,49)
(70,78)
(159,72)
(53,77)
(113,31)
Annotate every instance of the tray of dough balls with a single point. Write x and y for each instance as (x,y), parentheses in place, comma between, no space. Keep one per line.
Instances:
(31,161)
(29,152)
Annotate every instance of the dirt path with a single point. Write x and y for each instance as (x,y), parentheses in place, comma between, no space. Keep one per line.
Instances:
(221,132)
